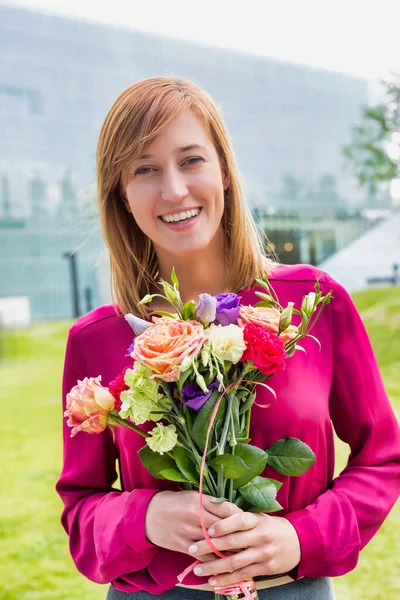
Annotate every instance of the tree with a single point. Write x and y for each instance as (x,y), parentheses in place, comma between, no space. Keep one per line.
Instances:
(374,153)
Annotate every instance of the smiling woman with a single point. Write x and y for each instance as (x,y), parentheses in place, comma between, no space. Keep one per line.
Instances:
(169,196)
(177,198)
(164,150)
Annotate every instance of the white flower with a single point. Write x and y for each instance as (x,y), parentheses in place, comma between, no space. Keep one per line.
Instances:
(163,438)
(226,342)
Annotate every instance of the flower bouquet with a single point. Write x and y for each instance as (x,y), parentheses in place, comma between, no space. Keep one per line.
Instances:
(194,374)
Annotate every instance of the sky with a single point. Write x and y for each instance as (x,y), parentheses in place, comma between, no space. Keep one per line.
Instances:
(355,37)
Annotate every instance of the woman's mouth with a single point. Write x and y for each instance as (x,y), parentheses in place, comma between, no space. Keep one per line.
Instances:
(181,220)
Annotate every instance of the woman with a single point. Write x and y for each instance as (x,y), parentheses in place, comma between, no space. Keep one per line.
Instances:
(169,195)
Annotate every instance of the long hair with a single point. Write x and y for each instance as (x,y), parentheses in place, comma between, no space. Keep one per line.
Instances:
(133,121)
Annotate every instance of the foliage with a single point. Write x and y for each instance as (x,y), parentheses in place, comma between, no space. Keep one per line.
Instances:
(369,155)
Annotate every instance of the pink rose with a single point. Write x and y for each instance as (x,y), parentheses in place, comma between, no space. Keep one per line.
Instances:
(267,318)
(166,344)
(88,405)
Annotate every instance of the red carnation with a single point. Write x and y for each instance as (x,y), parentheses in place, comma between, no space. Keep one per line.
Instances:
(264,348)
(117,386)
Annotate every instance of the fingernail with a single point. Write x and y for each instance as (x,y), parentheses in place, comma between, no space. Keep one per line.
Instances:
(198,570)
(211,531)
(193,549)
(213,582)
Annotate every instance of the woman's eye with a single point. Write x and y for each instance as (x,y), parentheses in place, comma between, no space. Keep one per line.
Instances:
(143,170)
(192,160)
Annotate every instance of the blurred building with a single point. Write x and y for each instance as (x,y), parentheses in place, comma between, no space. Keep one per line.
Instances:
(58,77)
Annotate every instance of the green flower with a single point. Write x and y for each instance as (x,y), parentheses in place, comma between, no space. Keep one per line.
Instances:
(138,379)
(163,438)
(135,407)
(141,399)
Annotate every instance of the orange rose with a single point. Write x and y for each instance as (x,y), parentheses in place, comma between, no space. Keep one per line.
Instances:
(166,344)
(88,405)
(268,318)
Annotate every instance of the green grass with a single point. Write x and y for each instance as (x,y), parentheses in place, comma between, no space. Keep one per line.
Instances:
(34,558)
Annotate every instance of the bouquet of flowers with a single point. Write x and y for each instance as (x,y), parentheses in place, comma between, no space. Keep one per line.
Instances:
(194,374)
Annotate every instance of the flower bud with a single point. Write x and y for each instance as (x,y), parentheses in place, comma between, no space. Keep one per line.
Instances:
(206,308)
(286,317)
(171,293)
(146,299)
(138,325)
(205,357)
(201,382)
(308,304)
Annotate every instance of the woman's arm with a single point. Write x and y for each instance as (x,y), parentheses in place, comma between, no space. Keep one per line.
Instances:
(325,538)
(339,523)
(106,526)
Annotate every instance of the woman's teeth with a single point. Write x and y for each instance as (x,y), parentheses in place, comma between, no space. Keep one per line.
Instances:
(182,216)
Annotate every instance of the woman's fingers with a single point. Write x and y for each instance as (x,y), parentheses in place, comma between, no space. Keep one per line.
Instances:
(245,573)
(230,564)
(229,543)
(221,510)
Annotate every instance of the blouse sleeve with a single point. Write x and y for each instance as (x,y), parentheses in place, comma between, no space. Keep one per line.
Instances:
(106,527)
(339,523)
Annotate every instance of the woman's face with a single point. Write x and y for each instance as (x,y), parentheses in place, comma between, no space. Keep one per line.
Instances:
(175,191)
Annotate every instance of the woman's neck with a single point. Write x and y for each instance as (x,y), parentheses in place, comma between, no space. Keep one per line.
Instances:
(198,274)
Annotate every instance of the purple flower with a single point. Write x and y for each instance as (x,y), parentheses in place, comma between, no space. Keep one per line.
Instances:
(194,397)
(206,308)
(130,349)
(228,308)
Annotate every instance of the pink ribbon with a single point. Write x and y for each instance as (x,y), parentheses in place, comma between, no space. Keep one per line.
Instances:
(245,587)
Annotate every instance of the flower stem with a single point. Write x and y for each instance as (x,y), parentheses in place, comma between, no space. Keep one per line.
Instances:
(115,421)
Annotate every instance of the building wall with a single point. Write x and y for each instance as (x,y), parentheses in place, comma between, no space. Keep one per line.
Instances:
(58,77)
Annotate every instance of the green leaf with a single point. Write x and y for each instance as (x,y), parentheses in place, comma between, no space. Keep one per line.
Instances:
(189,310)
(201,423)
(247,404)
(315,339)
(154,462)
(183,376)
(265,297)
(163,313)
(218,500)
(234,467)
(256,460)
(304,319)
(261,492)
(275,506)
(264,304)
(173,475)
(242,503)
(290,456)
(186,465)
(174,278)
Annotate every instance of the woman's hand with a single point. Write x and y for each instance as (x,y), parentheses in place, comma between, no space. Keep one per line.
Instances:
(261,545)
(173,519)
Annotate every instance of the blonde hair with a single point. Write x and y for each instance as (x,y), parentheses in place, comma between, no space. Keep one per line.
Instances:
(133,121)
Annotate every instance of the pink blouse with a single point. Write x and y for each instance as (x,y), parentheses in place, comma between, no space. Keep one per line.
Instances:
(339,386)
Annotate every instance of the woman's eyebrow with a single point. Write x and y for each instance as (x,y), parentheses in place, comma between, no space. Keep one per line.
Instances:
(182,149)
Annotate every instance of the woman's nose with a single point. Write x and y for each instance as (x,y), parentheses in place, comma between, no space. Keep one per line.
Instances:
(173,186)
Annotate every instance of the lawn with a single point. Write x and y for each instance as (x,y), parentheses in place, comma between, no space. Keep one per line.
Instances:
(34,558)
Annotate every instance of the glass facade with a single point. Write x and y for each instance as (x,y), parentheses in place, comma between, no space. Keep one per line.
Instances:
(58,77)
